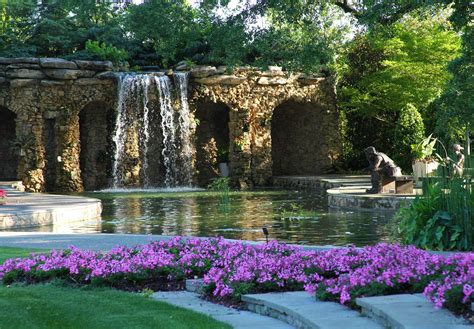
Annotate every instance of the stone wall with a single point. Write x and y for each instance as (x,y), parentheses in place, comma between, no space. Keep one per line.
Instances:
(52,91)
(59,103)
(252,97)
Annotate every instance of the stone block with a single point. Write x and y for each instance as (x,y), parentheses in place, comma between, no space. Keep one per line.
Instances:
(57,63)
(90,82)
(86,74)
(25,74)
(221,79)
(21,83)
(106,75)
(62,74)
(203,71)
(270,81)
(23,66)
(95,65)
(4,81)
(25,60)
(51,83)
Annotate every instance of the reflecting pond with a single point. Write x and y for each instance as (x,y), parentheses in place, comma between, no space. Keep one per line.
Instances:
(296,217)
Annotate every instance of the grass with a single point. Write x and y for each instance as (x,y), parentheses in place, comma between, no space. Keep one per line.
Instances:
(56,305)
(7,252)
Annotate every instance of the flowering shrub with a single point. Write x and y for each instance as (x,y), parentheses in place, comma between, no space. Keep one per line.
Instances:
(3,196)
(231,269)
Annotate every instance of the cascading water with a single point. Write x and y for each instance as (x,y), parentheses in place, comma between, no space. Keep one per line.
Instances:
(186,151)
(156,124)
(163,85)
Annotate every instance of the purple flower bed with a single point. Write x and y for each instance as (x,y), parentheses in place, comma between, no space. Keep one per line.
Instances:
(231,269)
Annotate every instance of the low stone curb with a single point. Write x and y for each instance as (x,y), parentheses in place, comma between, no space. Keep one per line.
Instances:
(302,310)
(238,319)
(409,312)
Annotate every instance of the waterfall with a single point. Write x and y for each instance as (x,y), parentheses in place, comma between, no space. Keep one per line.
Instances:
(186,150)
(157,123)
(163,85)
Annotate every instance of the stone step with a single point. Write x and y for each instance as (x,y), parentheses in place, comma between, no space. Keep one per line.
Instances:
(409,312)
(238,319)
(302,310)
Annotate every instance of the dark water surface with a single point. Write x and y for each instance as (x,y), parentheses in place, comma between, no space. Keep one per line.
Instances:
(296,217)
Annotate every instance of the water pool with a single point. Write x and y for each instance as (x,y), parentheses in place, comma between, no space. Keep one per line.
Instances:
(296,217)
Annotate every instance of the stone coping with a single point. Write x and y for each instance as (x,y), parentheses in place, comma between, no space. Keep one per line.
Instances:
(320,182)
(355,198)
(407,311)
(24,210)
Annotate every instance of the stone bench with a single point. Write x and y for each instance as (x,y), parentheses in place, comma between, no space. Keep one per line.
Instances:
(398,185)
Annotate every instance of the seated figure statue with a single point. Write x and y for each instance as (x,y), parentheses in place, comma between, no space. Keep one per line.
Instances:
(380,164)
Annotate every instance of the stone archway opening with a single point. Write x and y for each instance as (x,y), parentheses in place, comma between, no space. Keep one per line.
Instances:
(212,139)
(96,144)
(8,155)
(298,139)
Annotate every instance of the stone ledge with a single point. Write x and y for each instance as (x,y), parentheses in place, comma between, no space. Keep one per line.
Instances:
(302,310)
(31,210)
(356,199)
(409,312)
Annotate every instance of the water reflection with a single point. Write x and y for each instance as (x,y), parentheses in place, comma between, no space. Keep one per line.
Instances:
(243,217)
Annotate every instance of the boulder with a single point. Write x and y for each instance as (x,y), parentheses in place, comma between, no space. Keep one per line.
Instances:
(95,65)
(203,71)
(221,80)
(57,63)
(25,74)
(62,74)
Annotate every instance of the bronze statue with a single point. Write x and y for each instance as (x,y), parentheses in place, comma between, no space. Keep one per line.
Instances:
(380,164)
(458,166)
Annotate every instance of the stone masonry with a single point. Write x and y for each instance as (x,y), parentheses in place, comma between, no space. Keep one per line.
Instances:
(50,97)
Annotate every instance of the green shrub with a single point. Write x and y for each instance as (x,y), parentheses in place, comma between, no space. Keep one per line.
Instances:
(409,130)
(441,219)
(104,52)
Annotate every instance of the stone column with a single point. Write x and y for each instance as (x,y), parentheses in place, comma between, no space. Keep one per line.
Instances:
(68,167)
(29,135)
(240,149)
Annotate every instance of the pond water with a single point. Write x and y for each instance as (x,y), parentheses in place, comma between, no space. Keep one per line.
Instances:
(296,217)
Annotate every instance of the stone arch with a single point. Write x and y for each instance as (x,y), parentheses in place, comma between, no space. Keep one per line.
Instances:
(299,144)
(212,138)
(8,156)
(96,145)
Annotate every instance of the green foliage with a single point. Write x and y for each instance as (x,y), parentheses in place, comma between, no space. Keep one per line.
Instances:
(441,219)
(424,149)
(412,56)
(222,186)
(105,52)
(408,131)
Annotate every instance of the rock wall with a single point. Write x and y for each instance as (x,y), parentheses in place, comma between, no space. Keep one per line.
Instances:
(252,97)
(37,90)
(58,104)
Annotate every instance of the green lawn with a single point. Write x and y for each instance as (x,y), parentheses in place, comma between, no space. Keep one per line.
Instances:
(52,306)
